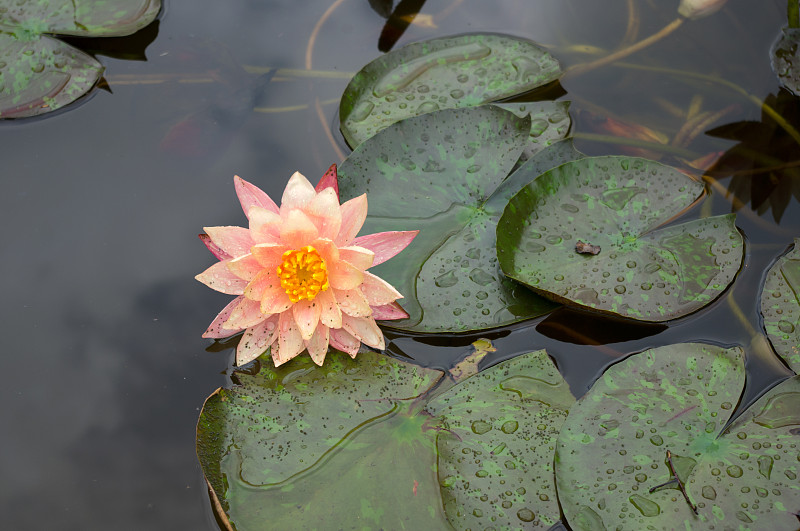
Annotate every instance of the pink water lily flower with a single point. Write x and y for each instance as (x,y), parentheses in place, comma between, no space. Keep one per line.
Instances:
(300,273)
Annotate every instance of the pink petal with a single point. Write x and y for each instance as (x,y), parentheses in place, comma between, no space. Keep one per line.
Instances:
(378,291)
(218,277)
(342,275)
(245,267)
(330,313)
(235,241)
(306,317)
(329,180)
(388,312)
(256,340)
(324,211)
(266,279)
(344,341)
(215,329)
(365,329)
(265,225)
(353,303)
(215,250)
(326,249)
(298,193)
(298,230)
(385,244)
(358,256)
(269,255)
(290,344)
(317,346)
(275,300)
(354,212)
(246,314)
(251,195)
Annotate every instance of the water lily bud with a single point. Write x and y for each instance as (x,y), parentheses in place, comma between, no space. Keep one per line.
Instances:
(695,9)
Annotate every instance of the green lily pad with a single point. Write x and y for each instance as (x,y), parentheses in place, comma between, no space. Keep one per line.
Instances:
(785,59)
(442,73)
(613,446)
(299,445)
(550,122)
(443,174)
(780,306)
(613,205)
(496,449)
(38,73)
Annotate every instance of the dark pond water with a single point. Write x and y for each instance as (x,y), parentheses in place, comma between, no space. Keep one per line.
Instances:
(105,368)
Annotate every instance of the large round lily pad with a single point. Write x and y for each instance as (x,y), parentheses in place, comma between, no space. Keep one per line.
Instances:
(497,445)
(613,205)
(442,73)
(613,448)
(780,306)
(443,174)
(352,444)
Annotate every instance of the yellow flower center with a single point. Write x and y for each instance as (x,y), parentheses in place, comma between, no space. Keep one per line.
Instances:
(303,274)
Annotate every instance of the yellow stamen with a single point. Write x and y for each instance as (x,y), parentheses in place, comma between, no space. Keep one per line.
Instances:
(303,274)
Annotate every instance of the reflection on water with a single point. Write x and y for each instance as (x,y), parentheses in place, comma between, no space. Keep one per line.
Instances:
(105,368)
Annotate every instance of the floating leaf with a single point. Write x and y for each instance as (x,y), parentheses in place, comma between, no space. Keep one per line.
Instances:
(441,173)
(42,75)
(299,445)
(550,122)
(780,306)
(613,446)
(442,73)
(785,59)
(496,448)
(616,203)
(38,73)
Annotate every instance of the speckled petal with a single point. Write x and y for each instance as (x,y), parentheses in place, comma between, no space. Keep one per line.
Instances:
(251,195)
(342,275)
(246,314)
(364,329)
(269,255)
(265,280)
(218,277)
(342,340)
(215,250)
(275,300)
(215,330)
(330,313)
(245,267)
(354,212)
(353,302)
(306,316)
(388,312)
(290,343)
(385,245)
(378,291)
(235,241)
(256,340)
(317,346)
(329,180)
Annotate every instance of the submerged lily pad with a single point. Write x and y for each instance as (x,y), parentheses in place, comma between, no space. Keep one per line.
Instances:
(442,73)
(786,59)
(441,173)
(497,444)
(343,444)
(38,73)
(613,446)
(780,306)
(550,231)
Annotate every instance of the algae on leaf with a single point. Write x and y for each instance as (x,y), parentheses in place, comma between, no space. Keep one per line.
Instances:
(361,443)
(444,173)
(612,450)
(780,306)
(617,203)
(38,73)
(442,73)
